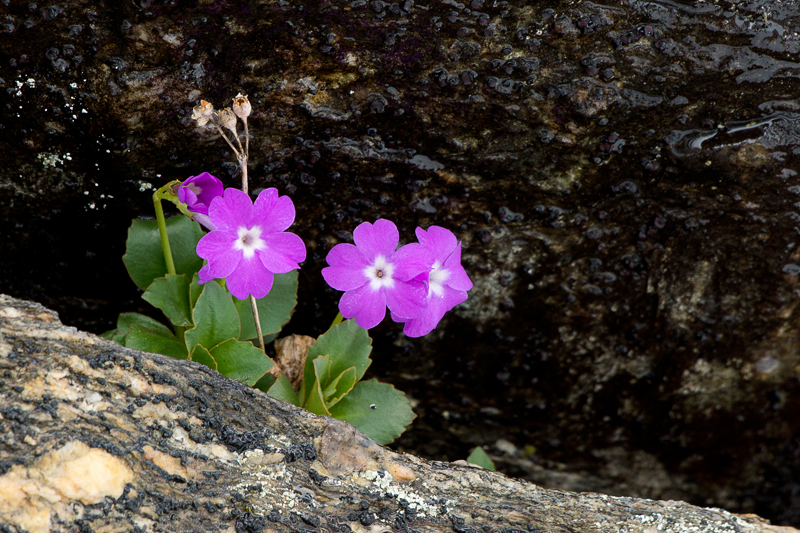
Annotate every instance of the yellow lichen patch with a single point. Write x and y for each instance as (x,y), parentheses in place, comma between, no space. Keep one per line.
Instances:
(5,348)
(66,334)
(10,312)
(167,463)
(56,384)
(73,473)
(141,386)
(81,473)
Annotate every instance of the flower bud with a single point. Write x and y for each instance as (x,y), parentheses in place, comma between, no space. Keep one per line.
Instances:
(227,119)
(241,106)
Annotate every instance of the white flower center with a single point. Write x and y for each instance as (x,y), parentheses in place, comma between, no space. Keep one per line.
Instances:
(195,188)
(249,240)
(436,279)
(379,274)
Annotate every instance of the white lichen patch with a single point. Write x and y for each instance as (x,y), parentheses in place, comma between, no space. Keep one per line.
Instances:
(384,481)
(258,457)
(62,334)
(61,482)
(51,160)
(674,523)
(175,39)
(711,384)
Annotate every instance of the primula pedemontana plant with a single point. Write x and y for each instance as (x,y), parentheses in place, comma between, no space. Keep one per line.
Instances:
(224,273)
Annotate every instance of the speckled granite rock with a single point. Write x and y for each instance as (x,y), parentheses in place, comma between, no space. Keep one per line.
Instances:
(623,175)
(100,437)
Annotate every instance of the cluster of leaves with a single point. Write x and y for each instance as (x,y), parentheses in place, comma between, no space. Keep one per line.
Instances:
(212,327)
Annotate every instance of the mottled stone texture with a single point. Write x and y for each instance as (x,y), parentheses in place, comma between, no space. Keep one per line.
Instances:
(623,175)
(97,437)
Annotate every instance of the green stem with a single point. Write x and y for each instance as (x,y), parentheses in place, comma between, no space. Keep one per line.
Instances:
(337,320)
(258,322)
(162,230)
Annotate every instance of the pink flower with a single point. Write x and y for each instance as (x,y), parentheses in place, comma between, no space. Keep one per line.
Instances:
(249,244)
(374,275)
(447,281)
(197,192)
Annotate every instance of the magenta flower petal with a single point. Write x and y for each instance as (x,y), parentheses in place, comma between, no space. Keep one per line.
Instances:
(379,239)
(458,276)
(188,197)
(197,192)
(347,256)
(282,253)
(205,221)
(437,238)
(216,247)
(231,211)
(446,281)
(245,247)
(251,278)
(408,301)
(368,307)
(412,260)
(204,275)
(276,212)
(429,319)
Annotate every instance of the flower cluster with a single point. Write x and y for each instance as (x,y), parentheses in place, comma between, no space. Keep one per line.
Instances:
(248,244)
(419,282)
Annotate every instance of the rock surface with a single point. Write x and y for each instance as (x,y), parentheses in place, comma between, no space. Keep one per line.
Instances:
(99,437)
(624,176)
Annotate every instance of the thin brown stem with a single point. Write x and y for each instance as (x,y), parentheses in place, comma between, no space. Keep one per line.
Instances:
(239,142)
(246,139)
(219,129)
(243,166)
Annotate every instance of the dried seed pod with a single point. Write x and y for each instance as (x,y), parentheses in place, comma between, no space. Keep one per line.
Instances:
(227,119)
(202,113)
(241,106)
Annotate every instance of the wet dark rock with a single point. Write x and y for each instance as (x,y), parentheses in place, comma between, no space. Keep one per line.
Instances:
(635,317)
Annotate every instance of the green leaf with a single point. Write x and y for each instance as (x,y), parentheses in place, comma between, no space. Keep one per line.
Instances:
(479,457)
(343,384)
(110,334)
(315,403)
(126,320)
(241,361)
(144,257)
(378,409)
(347,345)
(333,388)
(171,295)
(215,319)
(202,356)
(155,340)
(195,289)
(265,383)
(282,390)
(274,309)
